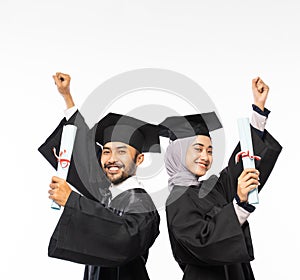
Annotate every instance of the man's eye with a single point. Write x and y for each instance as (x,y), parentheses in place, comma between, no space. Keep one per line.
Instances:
(199,150)
(105,153)
(122,152)
(210,152)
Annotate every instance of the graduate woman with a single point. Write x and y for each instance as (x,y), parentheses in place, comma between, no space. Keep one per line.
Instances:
(207,220)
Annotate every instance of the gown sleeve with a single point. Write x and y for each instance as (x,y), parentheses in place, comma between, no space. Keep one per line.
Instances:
(89,233)
(204,230)
(266,147)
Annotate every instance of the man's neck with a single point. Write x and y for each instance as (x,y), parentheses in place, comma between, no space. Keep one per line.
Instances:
(130,183)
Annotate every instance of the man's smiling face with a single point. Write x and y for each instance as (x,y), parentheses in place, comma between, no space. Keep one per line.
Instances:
(119,161)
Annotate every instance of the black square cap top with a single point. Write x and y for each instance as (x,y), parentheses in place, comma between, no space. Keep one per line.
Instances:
(177,127)
(141,135)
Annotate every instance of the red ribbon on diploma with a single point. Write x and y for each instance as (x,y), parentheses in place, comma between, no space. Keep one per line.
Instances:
(64,163)
(245,154)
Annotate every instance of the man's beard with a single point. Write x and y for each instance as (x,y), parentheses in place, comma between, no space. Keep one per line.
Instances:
(125,174)
(118,179)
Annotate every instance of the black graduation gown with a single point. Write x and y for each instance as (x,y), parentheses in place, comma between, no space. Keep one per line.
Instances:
(206,237)
(116,238)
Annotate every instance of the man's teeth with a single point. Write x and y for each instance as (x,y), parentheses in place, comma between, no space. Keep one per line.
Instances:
(113,168)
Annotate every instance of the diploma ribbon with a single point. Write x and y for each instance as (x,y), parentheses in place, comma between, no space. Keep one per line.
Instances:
(64,163)
(243,154)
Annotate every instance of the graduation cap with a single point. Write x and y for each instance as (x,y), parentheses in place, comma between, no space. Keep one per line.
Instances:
(141,135)
(186,126)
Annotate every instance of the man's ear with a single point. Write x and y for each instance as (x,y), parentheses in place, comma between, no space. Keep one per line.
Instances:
(139,159)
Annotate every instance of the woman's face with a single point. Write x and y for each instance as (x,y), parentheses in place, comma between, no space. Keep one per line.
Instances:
(199,155)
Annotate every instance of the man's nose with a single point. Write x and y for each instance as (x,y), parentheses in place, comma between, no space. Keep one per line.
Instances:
(113,158)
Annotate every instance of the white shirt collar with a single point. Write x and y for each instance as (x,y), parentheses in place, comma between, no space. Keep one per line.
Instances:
(130,183)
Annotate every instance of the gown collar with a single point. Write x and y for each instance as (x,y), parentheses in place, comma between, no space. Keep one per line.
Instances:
(130,183)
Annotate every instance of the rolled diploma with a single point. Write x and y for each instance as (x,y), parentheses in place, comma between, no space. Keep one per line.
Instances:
(65,153)
(246,145)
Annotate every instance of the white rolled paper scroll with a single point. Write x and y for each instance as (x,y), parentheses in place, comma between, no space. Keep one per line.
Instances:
(64,155)
(247,153)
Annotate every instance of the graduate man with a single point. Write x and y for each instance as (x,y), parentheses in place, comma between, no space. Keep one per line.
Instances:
(112,233)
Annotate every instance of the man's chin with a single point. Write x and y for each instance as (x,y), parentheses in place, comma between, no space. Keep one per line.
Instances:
(117,179)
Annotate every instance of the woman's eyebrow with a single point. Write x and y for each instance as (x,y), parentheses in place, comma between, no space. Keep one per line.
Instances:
(200,144)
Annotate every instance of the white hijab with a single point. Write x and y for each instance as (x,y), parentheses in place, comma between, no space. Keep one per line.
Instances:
(175,163)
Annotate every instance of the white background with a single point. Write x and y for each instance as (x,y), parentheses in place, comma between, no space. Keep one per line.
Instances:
(221,45)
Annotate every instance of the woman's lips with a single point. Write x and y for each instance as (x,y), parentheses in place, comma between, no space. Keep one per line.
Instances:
(202,165)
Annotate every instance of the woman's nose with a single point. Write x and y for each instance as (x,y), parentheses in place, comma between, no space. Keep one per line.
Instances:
(204,155)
